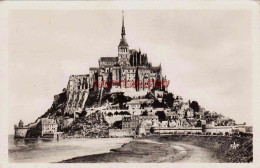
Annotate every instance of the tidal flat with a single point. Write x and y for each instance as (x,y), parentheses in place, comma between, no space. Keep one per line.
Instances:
(172,149)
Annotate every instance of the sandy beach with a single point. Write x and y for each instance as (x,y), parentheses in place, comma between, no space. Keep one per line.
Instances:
(150,150)
(173,149)
(134,151)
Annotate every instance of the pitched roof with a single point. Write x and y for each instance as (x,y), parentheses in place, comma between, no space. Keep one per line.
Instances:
(156,69)
(48,121)
(128,67)
(184,121)
(108,59)
(107,66)
(143,68)
(131,51)
(133,102)
(115,67)
(93,68)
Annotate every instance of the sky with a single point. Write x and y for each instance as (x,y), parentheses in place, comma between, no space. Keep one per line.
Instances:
(206,54)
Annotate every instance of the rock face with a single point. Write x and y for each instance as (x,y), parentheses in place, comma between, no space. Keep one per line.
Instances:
(94,125)
(58,105)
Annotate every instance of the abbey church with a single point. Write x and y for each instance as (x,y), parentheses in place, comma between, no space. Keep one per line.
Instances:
(129,72)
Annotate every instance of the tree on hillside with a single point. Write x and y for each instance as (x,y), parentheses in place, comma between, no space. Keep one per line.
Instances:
(109,114)
(121,99)
(161,115)
(143,105)
(126,113)
(121,113)
(117,98)
(149,95)
(117,124)
(169,99)
(137,79)
(157,104)
(145,113)
(107,98)
(83,113)
(195,106)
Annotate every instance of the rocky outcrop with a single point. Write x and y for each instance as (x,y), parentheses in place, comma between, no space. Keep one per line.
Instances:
(94,125)
(58,105)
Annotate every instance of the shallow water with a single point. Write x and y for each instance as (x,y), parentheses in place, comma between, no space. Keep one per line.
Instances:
(31,151)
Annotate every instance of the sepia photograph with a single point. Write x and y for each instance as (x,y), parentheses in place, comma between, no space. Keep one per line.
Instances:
(132,82)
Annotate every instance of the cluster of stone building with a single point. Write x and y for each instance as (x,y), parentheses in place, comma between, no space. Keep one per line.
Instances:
(180,119)
(41,128)
(138,120)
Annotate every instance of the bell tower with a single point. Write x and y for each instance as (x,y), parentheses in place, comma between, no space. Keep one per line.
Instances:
(123,48)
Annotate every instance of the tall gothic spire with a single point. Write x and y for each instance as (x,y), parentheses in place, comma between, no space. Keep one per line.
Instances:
(123,26)
(123,40)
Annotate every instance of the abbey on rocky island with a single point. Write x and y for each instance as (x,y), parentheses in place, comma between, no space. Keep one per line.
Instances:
(124,96)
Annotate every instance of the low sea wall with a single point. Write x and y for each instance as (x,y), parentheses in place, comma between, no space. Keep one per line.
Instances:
(173,130)
(219,129)
(114,133)
(208,130)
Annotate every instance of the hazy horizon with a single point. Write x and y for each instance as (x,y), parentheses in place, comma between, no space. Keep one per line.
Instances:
(206,54)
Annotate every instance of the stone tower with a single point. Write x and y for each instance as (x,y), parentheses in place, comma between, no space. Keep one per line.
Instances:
(123,48)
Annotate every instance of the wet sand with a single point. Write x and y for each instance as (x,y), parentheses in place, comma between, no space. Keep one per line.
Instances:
(194,154)
(150,150)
